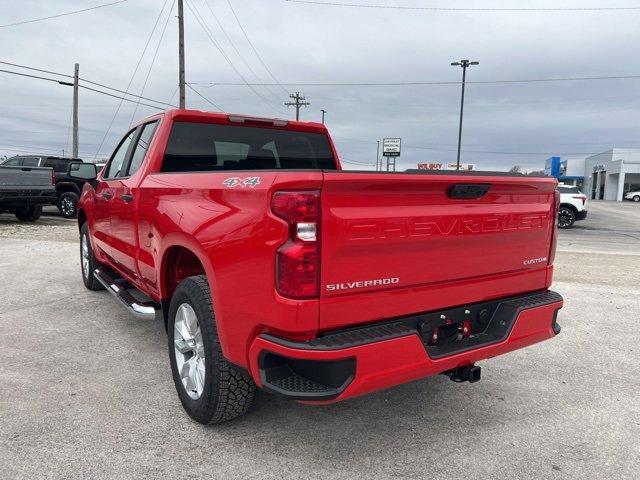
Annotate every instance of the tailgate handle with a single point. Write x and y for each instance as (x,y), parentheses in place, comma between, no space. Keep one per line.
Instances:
(468,190)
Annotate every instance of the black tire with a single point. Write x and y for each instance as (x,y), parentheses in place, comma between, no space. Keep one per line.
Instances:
(227,390)
(566,217)
(30,213)
(636,198)
(88,278)
(68,204)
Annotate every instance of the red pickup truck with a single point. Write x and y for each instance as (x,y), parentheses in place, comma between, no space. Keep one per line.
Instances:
(273,268)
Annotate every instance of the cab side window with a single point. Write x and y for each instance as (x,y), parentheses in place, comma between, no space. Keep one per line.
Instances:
(142,146)
(118,158)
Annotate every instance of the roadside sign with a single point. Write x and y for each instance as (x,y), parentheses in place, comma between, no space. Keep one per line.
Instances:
(391,147)
(446,166)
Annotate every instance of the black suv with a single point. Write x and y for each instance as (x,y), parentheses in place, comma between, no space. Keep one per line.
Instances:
(68,189)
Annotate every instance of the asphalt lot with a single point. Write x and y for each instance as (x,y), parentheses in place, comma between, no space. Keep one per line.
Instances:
(86,391)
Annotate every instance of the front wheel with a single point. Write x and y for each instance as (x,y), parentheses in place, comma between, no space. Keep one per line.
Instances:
(210,388)
(566,217)
(636,198)
(88,261)
(30,213)
(68,204)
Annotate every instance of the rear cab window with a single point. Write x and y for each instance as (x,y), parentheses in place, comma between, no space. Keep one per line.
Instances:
(197,147)
(59,165)
(30,161)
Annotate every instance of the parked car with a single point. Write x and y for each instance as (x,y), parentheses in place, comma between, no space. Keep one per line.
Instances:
(634,196)
(24,190)
(573,206)
(273,268)
(67,189)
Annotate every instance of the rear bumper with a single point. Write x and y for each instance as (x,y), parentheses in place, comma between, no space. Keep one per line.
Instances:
(581,215)
(350,363)
(20,198)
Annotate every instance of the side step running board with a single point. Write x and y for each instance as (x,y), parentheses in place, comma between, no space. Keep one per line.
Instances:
(140,310)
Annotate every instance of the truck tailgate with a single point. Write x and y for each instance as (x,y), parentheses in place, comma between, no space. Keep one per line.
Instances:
(25,178)
(394,245)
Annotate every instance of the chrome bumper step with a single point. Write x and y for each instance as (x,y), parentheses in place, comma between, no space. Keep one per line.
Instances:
(117,288)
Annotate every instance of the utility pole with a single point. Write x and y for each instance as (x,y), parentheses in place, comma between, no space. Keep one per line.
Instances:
(323,112)
(299,102)
(76,77)
(464,64)
(181,83)
(378,156)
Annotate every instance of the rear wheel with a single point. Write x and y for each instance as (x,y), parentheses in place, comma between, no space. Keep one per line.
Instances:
(88,261)
(210,388)
(30,213)
(566,217)
(68,204)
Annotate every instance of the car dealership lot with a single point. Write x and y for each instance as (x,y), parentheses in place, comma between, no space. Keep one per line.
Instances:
(86,391)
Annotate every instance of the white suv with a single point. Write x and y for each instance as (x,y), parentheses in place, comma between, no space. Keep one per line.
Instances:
(635,196)
(573,205)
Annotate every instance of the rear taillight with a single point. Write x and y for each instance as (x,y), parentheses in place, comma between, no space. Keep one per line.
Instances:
(554,227)
(581,197)
(53,177)
(298,260)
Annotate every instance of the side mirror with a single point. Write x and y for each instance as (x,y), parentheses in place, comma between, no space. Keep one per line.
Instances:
(83,171)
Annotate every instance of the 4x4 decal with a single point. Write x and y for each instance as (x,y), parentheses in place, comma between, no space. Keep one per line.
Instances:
(242,182)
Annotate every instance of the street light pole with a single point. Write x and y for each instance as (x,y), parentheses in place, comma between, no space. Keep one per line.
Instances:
(323,112)
(464,64)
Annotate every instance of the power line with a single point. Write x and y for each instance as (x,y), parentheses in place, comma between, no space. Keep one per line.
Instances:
(121,98)
(204,98)
(405,84)
(62,14)
(235,49)
(135,70)
(81,86)
(35,76)
(254,48)
(82,79)
(204,26)
(36,69)
(464,9)
(153,61)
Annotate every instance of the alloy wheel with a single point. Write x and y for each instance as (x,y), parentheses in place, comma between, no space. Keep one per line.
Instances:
(565,218)
(189,351)
(85,256)
(66,206)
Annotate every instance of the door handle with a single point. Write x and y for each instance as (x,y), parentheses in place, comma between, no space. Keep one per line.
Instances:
(106,195)
(127,197)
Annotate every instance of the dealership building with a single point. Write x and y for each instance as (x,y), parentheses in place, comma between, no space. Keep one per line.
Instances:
(605,176)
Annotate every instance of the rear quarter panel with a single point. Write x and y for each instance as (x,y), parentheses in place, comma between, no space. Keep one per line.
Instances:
(235,236)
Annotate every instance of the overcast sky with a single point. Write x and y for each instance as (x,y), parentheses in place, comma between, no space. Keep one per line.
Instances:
(505,124)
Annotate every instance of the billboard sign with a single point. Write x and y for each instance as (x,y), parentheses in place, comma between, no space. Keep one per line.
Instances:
(446,166)
(391,147)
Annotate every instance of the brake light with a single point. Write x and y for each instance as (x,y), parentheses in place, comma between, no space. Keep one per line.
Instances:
(554,228)
(581,197)
(298,260)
